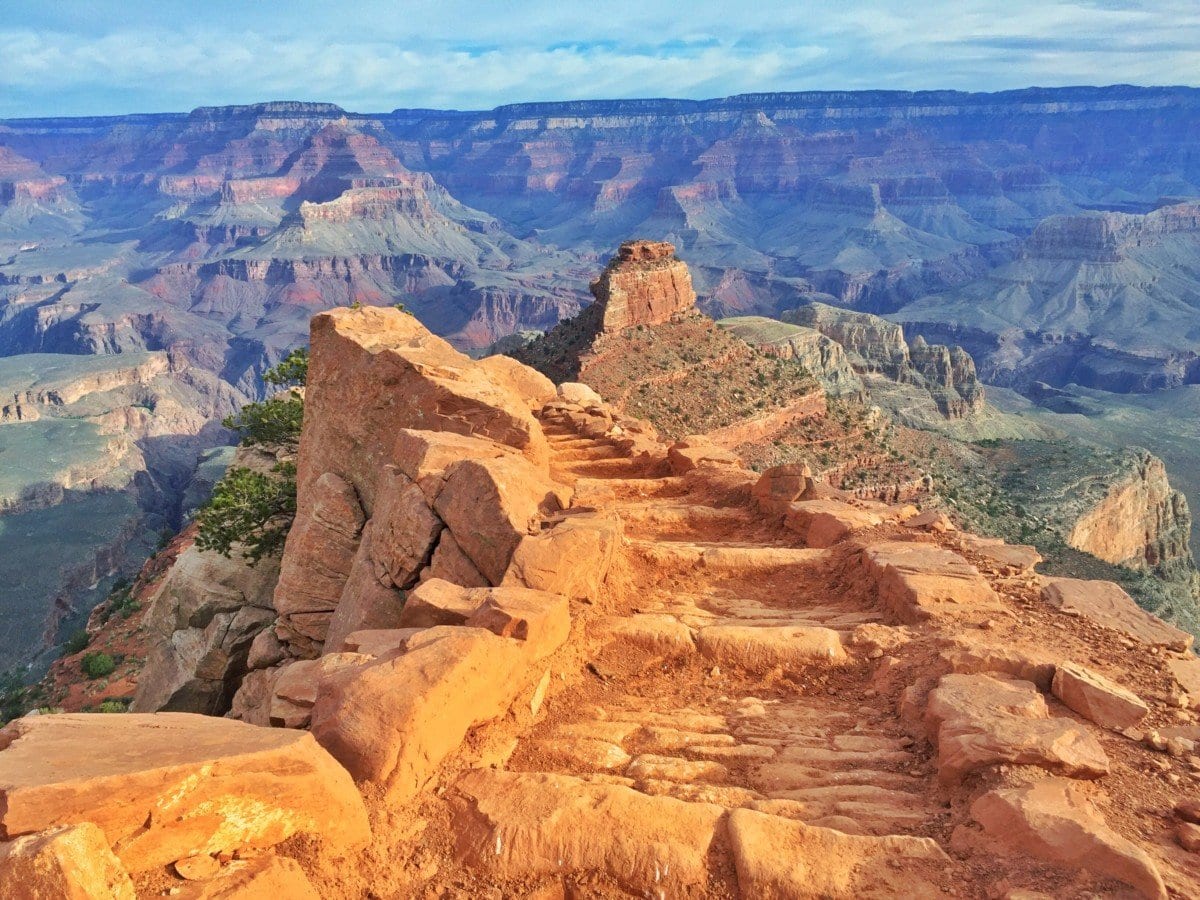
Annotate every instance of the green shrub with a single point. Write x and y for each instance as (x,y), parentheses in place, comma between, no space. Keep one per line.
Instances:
(113,706)
(276,420)
(251,509)
(76,642)
(291,371)
(97,665)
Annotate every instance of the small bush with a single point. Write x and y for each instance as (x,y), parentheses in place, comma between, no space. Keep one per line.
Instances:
(274,421)
(76,642)
(113,706)
(98,665)
(292,370)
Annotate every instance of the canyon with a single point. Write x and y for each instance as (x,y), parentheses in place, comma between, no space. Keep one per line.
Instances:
(521,643)
(1048,233)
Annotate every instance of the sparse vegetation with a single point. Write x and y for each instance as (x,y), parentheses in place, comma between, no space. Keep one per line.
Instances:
(98,665)
(76,642)
(249,509)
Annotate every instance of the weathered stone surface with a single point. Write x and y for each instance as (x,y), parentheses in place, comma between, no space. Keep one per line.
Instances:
(449,563)
(252,702)
(424,456)
(490,505)
(527,383)
(1186,672)
(379,642)
(437,602)
(579,394)
(180,784)
(1097,698)
(295,689)
(644,284)
(917,580)
(392,722)
(1188,835)
(696,452)
(761,649)
(572,558)
(1055,821)
(778,487)
(202,621)
(317,558)
(403,529)
(67,862)
(973,657)
(196,868)
(652,632)
(540,619)
(518,825)
(783,859)
(977,721)
(822,523)
(1013,558)
(366,601)
(1107,604)
(263,878)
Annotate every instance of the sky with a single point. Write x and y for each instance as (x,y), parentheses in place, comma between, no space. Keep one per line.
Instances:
(102,57)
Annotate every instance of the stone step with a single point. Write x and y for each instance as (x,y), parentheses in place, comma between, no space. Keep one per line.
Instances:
(585,454)
(725,557)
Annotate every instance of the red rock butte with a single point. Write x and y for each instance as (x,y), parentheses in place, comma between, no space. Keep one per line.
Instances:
(644,284)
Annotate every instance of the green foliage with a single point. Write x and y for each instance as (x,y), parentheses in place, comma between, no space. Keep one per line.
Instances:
(120,602)
(98,665)
(76,642)
(291,371)
(13,696)
(250,509)
(402,308)
(113,706)
(276,420)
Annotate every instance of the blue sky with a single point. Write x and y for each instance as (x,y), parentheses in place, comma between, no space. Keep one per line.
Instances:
(79,57)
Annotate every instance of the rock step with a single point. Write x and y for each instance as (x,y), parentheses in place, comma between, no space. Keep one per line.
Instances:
(725,557)
(601,468)
(587,454)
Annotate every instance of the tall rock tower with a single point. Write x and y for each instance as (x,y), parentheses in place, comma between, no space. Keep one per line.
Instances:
(644,284)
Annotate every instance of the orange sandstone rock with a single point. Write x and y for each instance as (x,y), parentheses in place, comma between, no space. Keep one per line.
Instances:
(1107,604)
(263,878)
(917,580)
(572,558)
(67,862)
(1054,820)
(1097,698)
(170,785)
(644,284)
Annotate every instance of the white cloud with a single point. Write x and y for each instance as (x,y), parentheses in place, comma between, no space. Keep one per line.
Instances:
(375,55)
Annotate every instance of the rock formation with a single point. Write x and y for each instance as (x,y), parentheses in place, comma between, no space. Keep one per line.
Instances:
(644,284)
(610,663)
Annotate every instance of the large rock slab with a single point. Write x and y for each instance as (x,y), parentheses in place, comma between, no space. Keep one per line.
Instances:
(1097,698)
(404,529)
(918,580)
(822,523)
(317,559)
(424,456)
(977,721)
(171,785)
(202,620)
(644,284)
(70,862)
(783,859)
(491,504)
(1107,604)
(573,558)
(759,649)
(366,601)
(1055,821)
(518,825)
(393,722)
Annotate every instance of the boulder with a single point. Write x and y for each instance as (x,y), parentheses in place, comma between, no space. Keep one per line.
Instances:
(1107,604)
(295,689)
(437,602)
(778,487)
(759,649)
(252,702)
(404,529)
(971,657)
(697,452)
(449,563)
(573,558)
(262,878)
(1186,672)
(1054,820)
(491,504)
(822,523)
(317,559)
(392,722)
(366,601)
(424,456)
(170,785)
(1096,698)
(202,621)
(527,383)
(538,618)
(784,859)
(579,394)
(522,825)
(918,580)
(977,722)
(379,643)
(67,862)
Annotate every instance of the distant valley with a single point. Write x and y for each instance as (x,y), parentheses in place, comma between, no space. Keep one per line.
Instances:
(153,266)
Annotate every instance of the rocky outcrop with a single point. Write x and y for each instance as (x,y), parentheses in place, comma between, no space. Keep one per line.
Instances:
(644,284)
(1141,522)
(876,345)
